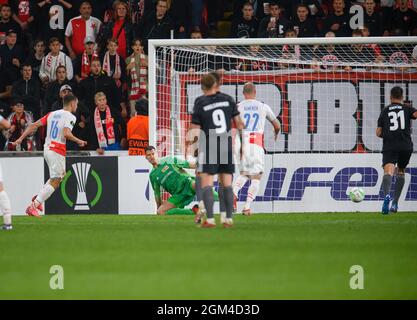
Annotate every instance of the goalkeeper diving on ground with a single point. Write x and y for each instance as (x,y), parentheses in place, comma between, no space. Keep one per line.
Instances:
(168,173)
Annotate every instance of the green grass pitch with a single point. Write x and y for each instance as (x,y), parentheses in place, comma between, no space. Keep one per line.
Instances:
(266,256)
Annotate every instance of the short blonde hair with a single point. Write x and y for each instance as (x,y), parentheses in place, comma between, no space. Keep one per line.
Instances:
(99,95)
(249,88)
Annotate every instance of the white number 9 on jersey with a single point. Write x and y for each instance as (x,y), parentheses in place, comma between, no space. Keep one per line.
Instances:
(219,120)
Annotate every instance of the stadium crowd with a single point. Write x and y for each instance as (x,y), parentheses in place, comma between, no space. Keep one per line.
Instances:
(97,50)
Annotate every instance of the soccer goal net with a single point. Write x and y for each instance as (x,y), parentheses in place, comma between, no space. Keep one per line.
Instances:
(327,93)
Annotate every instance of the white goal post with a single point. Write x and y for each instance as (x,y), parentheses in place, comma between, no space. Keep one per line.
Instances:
(327,94)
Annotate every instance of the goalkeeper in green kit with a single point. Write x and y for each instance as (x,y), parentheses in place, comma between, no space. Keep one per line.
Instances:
(169,173)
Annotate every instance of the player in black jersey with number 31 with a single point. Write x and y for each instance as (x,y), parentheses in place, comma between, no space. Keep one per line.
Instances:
(394,127)
(214,113)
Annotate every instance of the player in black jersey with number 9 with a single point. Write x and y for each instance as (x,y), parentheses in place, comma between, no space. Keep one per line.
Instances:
(394,127)
(214,113)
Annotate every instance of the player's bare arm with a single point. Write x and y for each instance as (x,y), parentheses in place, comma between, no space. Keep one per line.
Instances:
(379,132)
(277,127)
(239,127)
(5,124)
(29,131)
(158,202)
(69,136)
(157,192)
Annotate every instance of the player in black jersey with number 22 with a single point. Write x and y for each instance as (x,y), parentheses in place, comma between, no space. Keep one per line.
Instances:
(394,127)
(214,113)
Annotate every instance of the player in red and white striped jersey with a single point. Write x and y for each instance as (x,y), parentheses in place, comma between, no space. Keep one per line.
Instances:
(253,113)
(79,28)
(59,126)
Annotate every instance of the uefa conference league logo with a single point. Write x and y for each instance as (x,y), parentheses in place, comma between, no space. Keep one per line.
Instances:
(82,172)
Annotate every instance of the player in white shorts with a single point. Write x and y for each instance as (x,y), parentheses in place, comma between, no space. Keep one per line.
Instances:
(5,206)
(59,126)
(253,114)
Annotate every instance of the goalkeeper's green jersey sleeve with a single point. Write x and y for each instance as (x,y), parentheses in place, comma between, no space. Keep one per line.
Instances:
(169,175)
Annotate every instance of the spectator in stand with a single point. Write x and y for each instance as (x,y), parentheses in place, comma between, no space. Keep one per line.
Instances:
(98,7)
(139,9)
(258,8)
(138,129)
(52,60)
(82,62)
(119,28)
(54,87)
(80,28)
(29,91)
(100,81)
(196,34)
(314,8)
(157,25)
(113,64)
(137,70)
(304,26)
(11,57)
(24,14)
(106,127)
(373,19)
(246,25)
(53,17)
(7,23)
(286,7)
(36,56)
(64,91)
(19,120)
(274,25)
(403,18)
(338,20)
(328,56)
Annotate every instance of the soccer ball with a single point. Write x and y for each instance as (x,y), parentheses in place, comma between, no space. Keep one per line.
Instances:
(356,194)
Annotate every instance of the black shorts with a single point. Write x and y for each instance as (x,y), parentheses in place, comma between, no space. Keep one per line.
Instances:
(401,158)
(214,161)
(217,168)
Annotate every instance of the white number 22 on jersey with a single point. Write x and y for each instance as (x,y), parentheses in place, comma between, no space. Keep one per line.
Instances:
(394,118)
(219,119)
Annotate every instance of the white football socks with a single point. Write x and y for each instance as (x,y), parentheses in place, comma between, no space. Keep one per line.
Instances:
(239,183)
(43,195)
(5,208)
(252,193)
(222,217)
